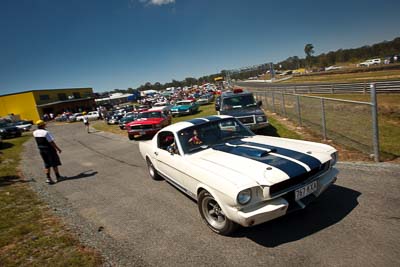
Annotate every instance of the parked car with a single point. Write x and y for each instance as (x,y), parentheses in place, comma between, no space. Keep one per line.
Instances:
(205,99)
(23,125)
(92,115)
(140,108)
(162,105)
(333,68)
(147,123)
(74,116)
(115,118)
(236,177)
(242,105)
(127,119)
(184,107)
(369,62)
(8,130)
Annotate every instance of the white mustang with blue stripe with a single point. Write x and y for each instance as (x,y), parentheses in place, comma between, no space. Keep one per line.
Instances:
(239,178)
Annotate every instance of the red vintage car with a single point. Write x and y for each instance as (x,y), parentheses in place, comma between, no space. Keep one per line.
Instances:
(148,123)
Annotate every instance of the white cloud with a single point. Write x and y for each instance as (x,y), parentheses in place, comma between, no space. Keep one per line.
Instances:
(157,2)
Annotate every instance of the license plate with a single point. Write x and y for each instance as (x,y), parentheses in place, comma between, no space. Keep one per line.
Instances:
(306,190)
(142,132)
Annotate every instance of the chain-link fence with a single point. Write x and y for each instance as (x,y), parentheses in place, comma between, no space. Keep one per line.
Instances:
(351,123)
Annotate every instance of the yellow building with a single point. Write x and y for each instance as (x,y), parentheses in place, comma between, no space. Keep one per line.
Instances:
(32,105)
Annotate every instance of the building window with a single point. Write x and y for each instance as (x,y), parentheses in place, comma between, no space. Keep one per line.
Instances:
(44,97)
(62,96)
(76,95)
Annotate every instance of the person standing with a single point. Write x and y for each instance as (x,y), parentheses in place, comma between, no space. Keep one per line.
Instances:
(48,150)
(86,121)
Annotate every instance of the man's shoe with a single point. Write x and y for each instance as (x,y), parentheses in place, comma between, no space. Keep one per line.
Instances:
(49,181)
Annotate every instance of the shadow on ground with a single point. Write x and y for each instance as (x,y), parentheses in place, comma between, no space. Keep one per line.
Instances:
(6,145)
(81,175)
(11,179)
(269,131)
(330,208)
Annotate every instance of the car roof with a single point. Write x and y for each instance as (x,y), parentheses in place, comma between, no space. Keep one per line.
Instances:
(176,127)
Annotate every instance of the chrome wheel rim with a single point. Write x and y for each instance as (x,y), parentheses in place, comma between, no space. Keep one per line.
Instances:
(213,213)
(151,169)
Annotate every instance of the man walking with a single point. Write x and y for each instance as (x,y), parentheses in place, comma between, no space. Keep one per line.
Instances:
(86,121)
(48,150)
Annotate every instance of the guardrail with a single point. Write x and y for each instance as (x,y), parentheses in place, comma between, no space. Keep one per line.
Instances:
(352,123)
(326,88)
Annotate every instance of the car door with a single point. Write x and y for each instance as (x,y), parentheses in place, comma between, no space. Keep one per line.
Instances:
(169,164)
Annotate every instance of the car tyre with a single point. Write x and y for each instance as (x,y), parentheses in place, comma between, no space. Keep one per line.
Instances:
(213,216)
(152,171)
(131,137)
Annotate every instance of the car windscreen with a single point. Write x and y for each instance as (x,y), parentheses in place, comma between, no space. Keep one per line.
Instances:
(147,115)
(239,101)
(199,137)
(183,103)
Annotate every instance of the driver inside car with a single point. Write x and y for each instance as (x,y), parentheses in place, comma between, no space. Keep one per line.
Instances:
(195,140)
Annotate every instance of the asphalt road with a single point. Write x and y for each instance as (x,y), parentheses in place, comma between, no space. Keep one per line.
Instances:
(109,199)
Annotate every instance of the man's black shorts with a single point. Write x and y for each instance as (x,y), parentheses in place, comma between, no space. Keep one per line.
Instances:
(50,158)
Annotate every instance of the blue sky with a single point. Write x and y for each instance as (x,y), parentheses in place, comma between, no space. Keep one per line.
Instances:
(108,44)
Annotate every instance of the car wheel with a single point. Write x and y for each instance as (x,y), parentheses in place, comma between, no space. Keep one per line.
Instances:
(213,216)
(131,137)
(152,171)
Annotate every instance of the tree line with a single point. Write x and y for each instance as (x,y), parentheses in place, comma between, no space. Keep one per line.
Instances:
(381,50)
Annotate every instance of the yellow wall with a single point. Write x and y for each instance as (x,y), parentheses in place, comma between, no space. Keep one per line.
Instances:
(24,104)
(19,104)
(53,94)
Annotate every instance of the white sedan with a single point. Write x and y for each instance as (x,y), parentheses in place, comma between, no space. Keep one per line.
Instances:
(236,177)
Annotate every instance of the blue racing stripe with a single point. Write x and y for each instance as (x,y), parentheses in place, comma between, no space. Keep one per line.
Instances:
(292,169)
(213,118)
(305,158)
(197,121)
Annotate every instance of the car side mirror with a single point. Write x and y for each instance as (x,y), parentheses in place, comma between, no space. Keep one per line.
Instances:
(259,103)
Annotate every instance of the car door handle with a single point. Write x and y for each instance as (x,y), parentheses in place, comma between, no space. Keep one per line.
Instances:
(156,153)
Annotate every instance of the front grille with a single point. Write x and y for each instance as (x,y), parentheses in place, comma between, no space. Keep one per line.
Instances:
(141,127)
(283,186)
(246,120)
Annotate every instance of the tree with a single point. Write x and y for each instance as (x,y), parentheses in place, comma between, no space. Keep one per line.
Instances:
(309,50)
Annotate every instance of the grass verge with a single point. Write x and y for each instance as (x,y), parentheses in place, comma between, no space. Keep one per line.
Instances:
(29,234)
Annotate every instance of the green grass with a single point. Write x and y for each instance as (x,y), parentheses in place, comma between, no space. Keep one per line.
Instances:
(204,111)
(278,129)
(29,234)
(388,121)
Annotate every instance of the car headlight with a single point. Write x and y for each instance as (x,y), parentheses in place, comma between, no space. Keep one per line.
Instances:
(261,118)
(244,196)
(334,157)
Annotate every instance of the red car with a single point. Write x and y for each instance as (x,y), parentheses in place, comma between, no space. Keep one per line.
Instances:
(147,123)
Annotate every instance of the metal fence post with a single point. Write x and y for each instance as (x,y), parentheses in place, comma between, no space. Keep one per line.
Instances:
(375,128)
(266,99)
(298,109)
(332,89)
(323,119)
(273,102)
(283,105)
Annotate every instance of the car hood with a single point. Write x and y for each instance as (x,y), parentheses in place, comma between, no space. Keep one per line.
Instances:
(239,112)
(146,121)
(261,160)
(183,107)
(9,128)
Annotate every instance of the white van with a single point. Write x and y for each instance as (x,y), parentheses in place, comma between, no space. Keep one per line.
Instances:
(369,62)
